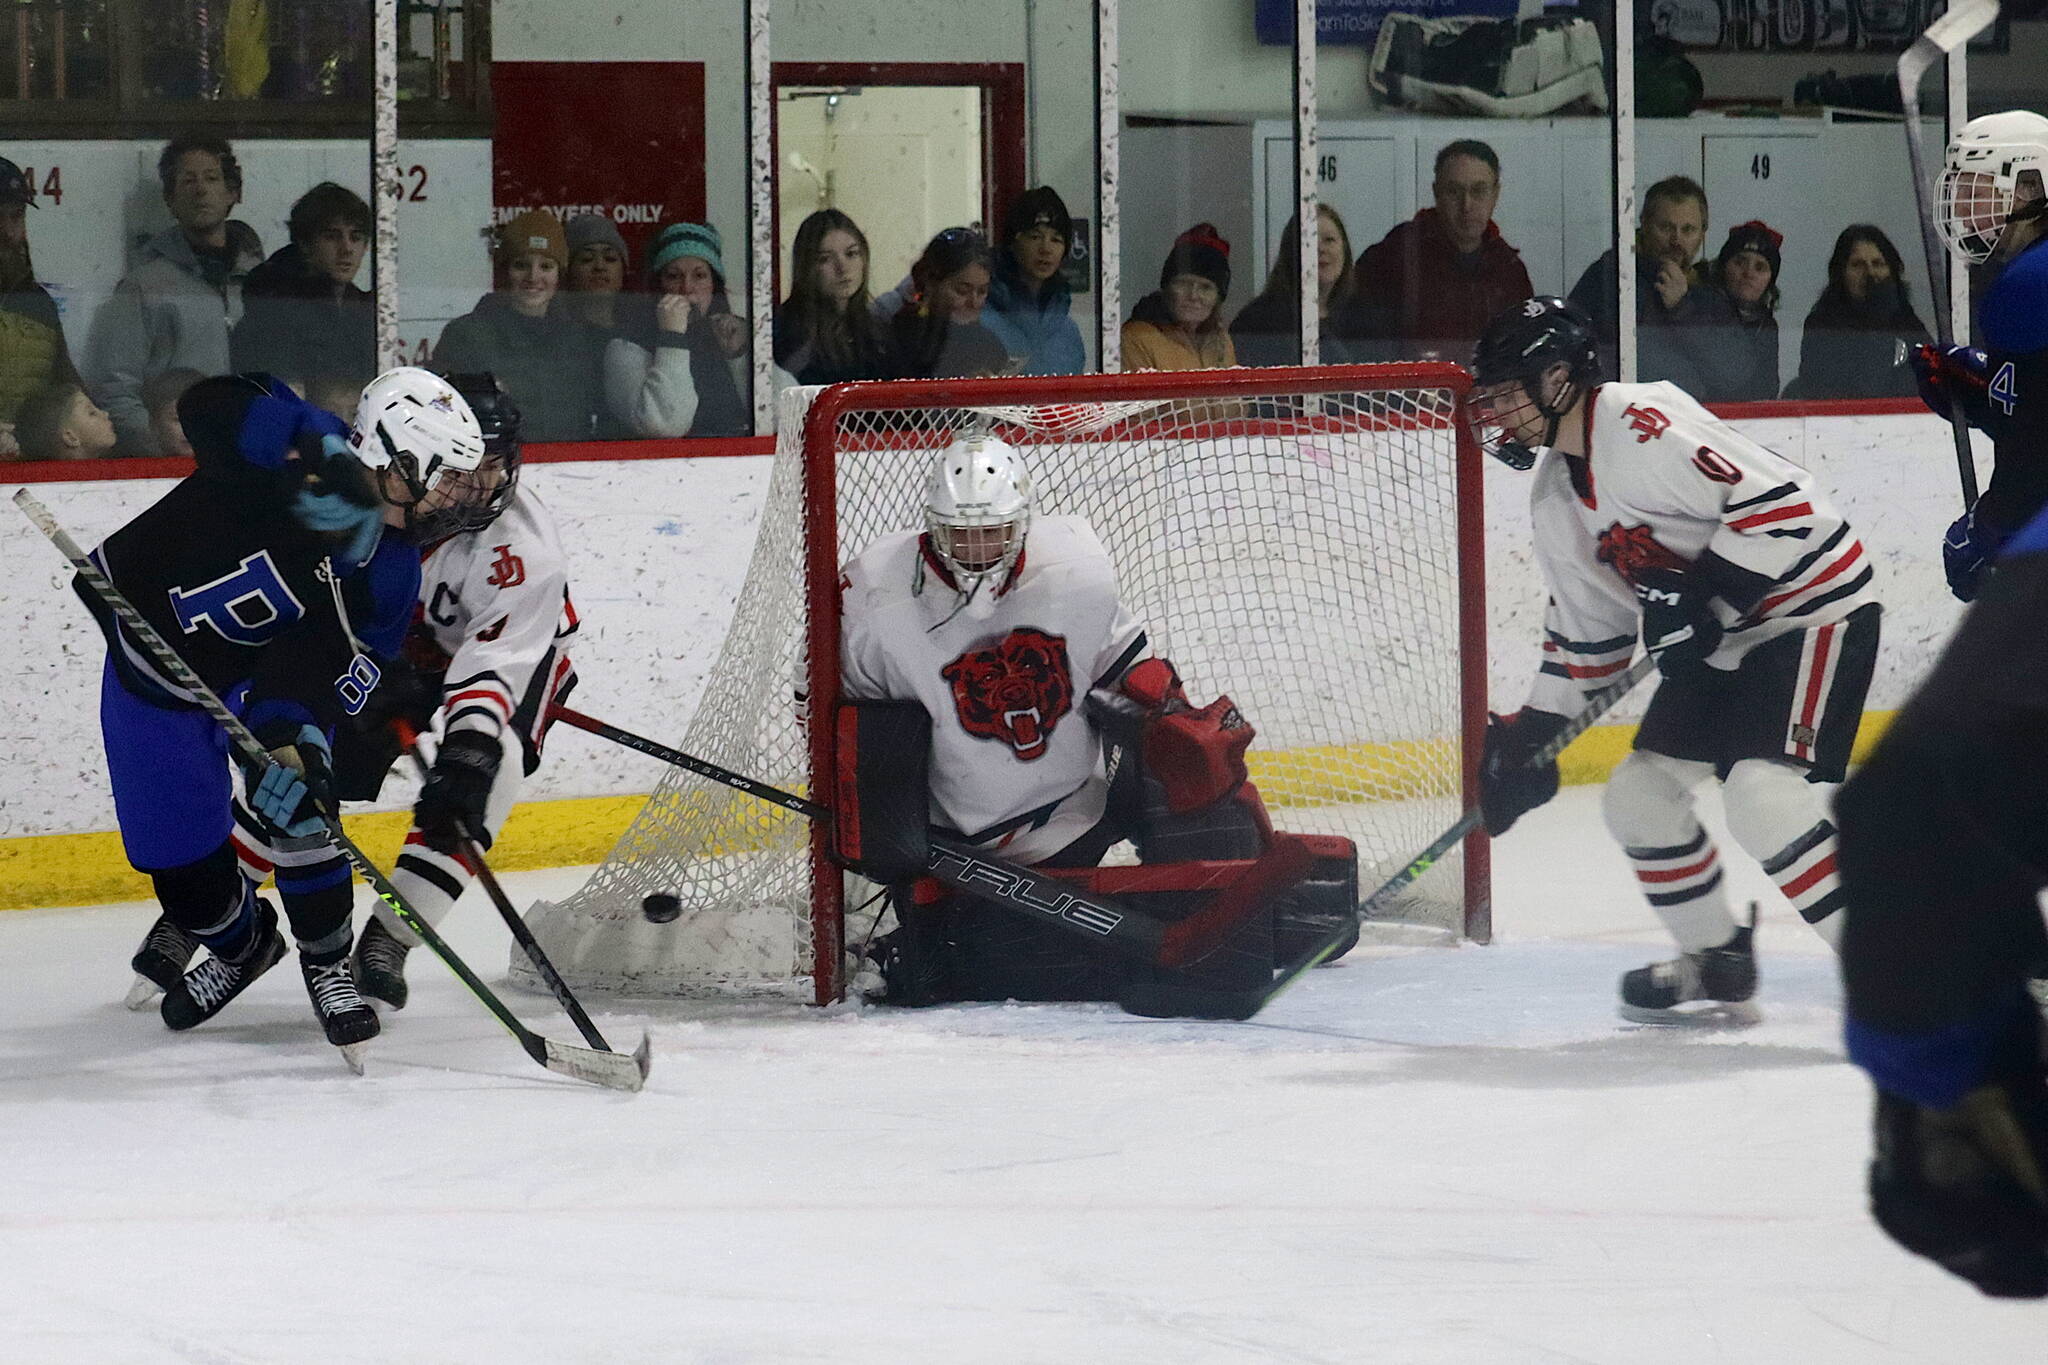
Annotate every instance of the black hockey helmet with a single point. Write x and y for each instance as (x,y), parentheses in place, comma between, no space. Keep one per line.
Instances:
(1519,347)
(500,419)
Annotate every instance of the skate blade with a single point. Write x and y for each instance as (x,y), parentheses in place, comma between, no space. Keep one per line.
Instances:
(1712,1014)
(353,1054)
(141,993)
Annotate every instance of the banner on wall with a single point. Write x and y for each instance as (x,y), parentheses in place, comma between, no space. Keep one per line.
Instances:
(1806,25)
(1358,21)
(621,139)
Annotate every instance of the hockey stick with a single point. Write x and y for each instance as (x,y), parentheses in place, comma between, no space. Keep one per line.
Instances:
(617,1071)
(473,853)
(1964,20)
(1097,918)
(1601,702)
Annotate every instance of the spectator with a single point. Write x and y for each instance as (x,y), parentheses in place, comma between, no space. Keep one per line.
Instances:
(1741,364)
(597,271)
(1861,333)
(303,318)
(1180,327)
(679,366)
(1029,306)
(61,423)
(175,308)
(937,331)
(1672,294)
(160,397)
(33,355)
(825,331)
(547,360)
(1268,331)
(1434,282)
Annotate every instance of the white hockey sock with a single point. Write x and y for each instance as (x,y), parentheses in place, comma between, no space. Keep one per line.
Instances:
(1781,820)
(1648,806)
(431,882)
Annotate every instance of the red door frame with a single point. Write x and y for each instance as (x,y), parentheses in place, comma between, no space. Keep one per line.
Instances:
(1003,132)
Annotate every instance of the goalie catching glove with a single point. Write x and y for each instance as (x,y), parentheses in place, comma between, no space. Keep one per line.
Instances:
(1195,753)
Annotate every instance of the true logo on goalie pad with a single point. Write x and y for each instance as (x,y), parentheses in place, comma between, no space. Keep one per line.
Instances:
(1015,691)
(1015,887)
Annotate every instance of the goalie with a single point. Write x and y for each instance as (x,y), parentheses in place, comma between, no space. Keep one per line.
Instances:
(997,690)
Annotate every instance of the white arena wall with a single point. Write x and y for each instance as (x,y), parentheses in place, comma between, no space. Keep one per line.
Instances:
(658,548)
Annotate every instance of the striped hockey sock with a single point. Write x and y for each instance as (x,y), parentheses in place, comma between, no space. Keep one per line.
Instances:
(430,881)
(1805,871)
(1682,882)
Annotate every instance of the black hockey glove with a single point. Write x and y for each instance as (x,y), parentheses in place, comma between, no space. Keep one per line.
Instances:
(1509,785)
(293,794)
(1963,1186)
(1679,626)
(365,749)
(455,801)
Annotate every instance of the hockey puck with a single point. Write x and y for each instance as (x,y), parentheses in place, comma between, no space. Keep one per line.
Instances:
(661,907)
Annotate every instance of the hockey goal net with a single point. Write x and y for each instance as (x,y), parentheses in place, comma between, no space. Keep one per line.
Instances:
(1309,541)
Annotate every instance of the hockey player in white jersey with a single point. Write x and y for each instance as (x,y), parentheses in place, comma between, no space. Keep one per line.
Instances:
(1654,518)
(1003,636)
(484,658)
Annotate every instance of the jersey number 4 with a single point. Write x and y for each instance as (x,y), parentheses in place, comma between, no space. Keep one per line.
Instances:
(2005,389)
(246,606)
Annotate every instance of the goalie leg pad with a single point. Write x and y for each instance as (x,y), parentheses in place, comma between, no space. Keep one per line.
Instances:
(881,806)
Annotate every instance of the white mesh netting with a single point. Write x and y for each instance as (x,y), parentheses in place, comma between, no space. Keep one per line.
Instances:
(1298,552)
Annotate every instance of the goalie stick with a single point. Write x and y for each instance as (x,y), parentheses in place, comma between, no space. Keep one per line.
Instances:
(1099,919)
(614,1070)
(473,853)
(1964,20)
(1602,701)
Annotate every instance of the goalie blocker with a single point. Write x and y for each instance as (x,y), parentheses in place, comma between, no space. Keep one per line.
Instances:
(1179,792)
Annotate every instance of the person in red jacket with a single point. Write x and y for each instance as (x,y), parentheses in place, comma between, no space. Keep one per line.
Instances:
(1434,282)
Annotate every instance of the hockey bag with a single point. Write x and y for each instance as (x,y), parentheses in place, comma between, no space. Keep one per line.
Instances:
(1500,68)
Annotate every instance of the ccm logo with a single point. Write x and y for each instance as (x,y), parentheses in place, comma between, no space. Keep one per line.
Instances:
(1660,595)
(1012,887)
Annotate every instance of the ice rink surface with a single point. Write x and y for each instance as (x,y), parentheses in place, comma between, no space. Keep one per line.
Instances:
(1436,1155)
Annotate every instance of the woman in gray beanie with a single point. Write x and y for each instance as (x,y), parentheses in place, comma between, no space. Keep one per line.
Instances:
(679,366)
(597,270)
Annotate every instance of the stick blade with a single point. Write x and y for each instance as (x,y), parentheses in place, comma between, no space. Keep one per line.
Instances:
(614,1070)
(1964,20)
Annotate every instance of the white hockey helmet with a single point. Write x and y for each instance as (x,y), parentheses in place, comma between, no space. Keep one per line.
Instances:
(1980,179)
(977,508)
(412,420)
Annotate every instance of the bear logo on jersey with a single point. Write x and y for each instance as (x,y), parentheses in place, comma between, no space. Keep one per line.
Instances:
(1633,549)
(1015,691)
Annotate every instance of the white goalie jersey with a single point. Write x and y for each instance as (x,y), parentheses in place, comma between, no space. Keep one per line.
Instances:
(1664,483)
(494,611)
(1016,766)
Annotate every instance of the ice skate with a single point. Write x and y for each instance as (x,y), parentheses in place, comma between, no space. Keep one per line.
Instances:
(200,993)
(160,962)
(1721,979)
(349,1021)
(380,965)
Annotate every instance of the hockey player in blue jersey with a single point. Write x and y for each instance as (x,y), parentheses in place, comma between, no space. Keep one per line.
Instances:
(271,571)
(1995,216)
(1944,831)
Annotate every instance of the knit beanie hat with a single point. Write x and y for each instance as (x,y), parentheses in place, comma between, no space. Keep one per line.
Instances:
(1036,207)
(678,240)
(535,230)
(1754,235)
(592,229)
(1199,251)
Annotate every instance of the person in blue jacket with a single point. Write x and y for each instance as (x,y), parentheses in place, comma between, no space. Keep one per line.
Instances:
(1028,307)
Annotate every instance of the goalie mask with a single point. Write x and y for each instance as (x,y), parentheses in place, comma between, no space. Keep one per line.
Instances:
(1981,189)
(977,510)
(1519,396)
(415,424)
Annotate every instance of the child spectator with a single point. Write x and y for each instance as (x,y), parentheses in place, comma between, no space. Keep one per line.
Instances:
(1029,306)
(61,423)
(33,354)
(1180,326)
(1268,331)
(937,331)
(303,317)
(1861,333)
(825,331)
(1742,364)
(160,397)
(174,309)
(597,271)
(679,366)
(547,360)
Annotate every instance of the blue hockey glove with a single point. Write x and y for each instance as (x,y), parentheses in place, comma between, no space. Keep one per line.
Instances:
(1967,550)
(1943,372)
(1679,626)
(280,425)
(337,501)
(293,793)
